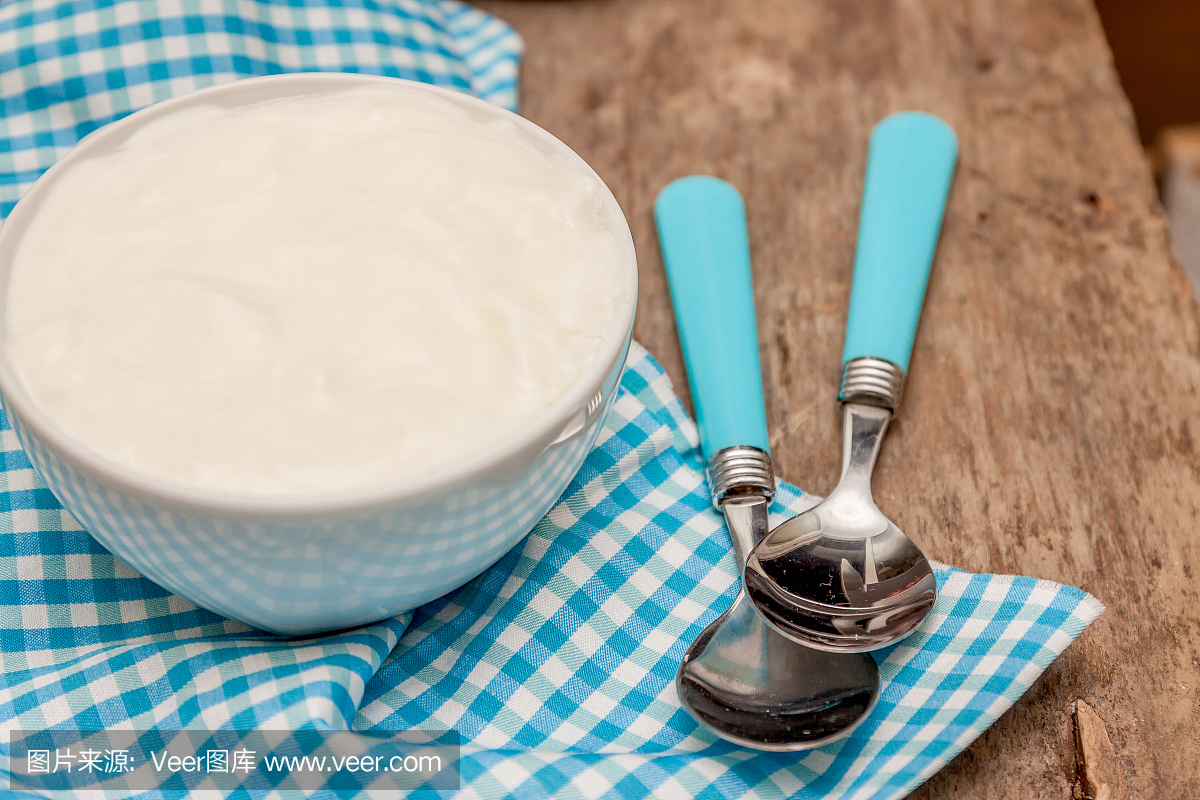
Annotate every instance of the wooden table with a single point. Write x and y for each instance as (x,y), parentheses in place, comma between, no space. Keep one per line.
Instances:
(1051,423)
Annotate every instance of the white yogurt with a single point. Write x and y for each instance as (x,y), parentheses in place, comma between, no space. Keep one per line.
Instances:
(311,295)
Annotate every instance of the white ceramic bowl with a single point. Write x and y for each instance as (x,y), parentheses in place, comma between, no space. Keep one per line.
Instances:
(301,566)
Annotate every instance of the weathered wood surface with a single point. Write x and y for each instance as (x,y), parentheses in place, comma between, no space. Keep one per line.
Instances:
(1047,428)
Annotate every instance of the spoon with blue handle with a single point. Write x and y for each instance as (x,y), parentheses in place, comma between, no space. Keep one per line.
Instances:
(741,679)
(841,576)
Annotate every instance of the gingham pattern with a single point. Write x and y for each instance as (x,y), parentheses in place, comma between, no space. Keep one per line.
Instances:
(557,664)
(335,571)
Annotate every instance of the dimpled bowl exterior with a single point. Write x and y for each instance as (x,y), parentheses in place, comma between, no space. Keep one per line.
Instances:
(320,572)
(317,565)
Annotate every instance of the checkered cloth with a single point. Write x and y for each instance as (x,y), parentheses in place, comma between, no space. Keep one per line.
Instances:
(557,665)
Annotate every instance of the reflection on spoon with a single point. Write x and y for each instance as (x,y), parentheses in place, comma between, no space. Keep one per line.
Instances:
(752,686)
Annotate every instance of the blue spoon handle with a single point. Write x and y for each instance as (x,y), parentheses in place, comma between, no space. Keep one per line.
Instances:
(909,168)
(702,229)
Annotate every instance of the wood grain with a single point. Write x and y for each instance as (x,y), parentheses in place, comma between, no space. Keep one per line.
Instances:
(1047,427)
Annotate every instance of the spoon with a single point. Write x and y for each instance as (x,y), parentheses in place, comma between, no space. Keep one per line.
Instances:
(841,576)
(741,679)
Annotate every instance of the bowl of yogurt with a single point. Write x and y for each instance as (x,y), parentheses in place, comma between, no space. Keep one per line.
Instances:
(311,350)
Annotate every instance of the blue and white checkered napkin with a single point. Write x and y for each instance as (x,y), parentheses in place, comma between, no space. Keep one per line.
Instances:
(557,665)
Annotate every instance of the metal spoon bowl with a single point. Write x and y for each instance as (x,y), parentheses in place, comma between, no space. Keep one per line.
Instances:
(831,700)
(756,688)
(841,576)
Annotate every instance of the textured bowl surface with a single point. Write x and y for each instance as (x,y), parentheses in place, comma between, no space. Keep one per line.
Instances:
(305,565)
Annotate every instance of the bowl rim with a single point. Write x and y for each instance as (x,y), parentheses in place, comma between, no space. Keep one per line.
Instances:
(542,430)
